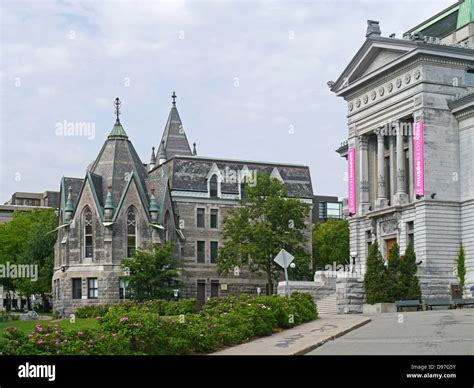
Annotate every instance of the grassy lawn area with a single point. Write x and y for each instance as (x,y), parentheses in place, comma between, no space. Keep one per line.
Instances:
(29,326)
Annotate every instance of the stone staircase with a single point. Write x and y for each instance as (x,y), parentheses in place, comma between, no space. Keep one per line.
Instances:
(327,305)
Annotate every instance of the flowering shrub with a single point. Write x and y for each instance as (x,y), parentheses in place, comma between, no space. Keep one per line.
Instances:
(129,328)
(50,340)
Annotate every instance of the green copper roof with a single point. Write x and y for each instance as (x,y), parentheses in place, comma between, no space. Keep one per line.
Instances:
(109,203)
(69,206)
(466,13)
(153,204)
(118,131)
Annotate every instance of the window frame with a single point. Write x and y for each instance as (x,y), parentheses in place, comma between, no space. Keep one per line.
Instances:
(92,291)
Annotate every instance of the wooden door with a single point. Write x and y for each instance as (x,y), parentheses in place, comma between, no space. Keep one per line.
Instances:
(201,294)
(388,245)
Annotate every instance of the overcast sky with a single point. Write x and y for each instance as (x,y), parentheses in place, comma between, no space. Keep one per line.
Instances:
(250,78)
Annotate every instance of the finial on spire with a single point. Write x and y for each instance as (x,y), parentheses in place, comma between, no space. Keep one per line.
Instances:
(194,149)
(117,104)
(173,96)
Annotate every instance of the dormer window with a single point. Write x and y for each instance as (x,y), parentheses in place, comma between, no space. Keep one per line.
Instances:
(213,187)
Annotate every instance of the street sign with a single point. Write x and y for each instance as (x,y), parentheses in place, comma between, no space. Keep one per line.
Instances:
(284,259)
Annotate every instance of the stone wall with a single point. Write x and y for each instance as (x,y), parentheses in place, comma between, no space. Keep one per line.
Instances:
(350,295)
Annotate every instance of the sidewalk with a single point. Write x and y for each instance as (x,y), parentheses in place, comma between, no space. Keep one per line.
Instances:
(300,339)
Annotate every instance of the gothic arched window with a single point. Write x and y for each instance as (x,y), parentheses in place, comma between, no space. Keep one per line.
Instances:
(131,231)
(213,186)
(87,232)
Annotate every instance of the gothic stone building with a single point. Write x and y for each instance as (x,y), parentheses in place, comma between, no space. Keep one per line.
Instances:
(123,204)
(410,146)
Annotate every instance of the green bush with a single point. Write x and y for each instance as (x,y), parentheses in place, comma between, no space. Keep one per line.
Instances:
(130,328)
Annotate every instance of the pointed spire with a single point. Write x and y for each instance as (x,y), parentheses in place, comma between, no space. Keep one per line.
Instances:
(69,206)
(194,149)
(109,203)
(152,164)
(174,135)
(117,131)
(162,153)
(153,203)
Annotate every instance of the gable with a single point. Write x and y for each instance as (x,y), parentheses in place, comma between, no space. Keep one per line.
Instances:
(378,59)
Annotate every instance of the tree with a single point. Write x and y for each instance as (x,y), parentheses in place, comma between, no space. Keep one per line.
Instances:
(394,269)
(461,269)
(153,273)
(27,240)
(411,285)
(330,243)
(376,278)
(266,222)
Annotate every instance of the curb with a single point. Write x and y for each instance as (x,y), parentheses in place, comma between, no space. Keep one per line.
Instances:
(330,338)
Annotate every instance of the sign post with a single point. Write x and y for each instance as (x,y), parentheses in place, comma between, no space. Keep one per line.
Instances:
(284,259)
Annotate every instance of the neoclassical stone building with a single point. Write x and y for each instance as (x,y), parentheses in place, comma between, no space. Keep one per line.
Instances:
(410,145)
(123,204)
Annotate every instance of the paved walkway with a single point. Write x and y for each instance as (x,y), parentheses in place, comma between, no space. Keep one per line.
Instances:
(439,332)
(300,339)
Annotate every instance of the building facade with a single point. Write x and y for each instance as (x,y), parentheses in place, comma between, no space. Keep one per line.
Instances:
(123,204)
(325,207)
(410,145)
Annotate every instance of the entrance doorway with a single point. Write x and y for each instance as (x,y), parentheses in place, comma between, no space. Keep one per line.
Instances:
(201,293)
(388,245)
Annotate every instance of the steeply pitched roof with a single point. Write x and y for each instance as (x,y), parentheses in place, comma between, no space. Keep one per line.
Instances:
(114,165)
(189,173)
(174,136)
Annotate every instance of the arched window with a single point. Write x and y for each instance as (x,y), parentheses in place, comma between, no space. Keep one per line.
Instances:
(131,232)
(213,186)
(87,232)
(167,226)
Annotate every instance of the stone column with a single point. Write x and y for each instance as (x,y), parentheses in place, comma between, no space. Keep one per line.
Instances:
(400,197)
(364,174)
(382,196)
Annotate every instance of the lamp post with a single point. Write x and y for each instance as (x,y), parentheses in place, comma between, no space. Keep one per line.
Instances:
(353,264)
(293,266)
(176,294)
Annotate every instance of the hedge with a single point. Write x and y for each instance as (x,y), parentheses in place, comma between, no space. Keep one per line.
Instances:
(142,329)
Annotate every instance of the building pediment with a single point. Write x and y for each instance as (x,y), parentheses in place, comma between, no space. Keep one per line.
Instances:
(375,54)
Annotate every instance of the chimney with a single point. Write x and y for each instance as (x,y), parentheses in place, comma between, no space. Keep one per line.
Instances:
(373,29)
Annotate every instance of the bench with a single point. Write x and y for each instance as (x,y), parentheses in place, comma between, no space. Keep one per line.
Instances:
(463,302)
(400,304)
(437,302)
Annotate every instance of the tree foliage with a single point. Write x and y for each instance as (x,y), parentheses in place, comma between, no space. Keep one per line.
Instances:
(266,222)
(330,243)
(153,272)
(396,281)
(29,239)
(461,269)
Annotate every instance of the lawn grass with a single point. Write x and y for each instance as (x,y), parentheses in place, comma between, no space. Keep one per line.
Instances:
(29,326)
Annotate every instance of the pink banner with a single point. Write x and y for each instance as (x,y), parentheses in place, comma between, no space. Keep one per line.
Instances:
(351,179)
(419,158)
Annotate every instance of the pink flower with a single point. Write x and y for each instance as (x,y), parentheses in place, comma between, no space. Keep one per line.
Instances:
(40,341)
(98,317)
(39,328)
(123,319)
(48,326)
(47,335)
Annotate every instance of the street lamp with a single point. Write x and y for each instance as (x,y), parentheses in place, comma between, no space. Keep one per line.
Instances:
(176,294)
(293,266)
(353,256)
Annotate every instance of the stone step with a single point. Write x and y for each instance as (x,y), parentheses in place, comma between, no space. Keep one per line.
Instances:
(327,305)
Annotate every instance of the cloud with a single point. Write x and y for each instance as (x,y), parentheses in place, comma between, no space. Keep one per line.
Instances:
(73,58)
